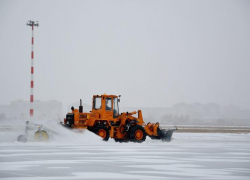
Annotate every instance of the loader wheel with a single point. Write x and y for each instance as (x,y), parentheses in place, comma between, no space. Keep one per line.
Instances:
(104,133)
(41,135)
(137,134)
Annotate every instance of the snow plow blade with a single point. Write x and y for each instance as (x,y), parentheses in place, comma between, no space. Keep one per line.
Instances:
(166,134)
(154,132)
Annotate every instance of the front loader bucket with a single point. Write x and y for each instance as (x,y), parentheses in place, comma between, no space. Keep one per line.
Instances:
(166,134)
(155,132)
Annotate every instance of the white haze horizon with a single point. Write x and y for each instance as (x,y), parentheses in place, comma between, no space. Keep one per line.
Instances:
(152,53)
(89,104)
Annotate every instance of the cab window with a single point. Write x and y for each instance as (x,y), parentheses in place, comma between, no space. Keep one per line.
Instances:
(97,103)
(108,104)
(115,108)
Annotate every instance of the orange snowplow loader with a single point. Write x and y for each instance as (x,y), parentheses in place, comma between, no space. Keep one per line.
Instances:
(105,120)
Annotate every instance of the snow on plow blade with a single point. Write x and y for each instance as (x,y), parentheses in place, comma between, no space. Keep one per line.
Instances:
(166,134)
(155,132)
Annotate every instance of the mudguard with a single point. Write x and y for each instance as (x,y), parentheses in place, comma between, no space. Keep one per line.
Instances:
(129,124)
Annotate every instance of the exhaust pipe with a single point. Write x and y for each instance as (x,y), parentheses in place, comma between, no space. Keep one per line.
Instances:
(80,107)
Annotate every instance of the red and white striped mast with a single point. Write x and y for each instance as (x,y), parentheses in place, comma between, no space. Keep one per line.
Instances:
(32,24)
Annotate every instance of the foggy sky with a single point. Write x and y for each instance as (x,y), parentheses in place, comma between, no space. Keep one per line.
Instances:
(153,53)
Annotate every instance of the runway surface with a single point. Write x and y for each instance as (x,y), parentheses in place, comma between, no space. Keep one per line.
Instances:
(85,156)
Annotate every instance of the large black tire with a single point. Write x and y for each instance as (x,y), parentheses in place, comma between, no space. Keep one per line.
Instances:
(103,132)
(137,134)
(121,140)
(22,138)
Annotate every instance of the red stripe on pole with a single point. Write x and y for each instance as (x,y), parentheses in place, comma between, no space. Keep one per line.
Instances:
(32,55)
(31,98)
(31,112)
(32,42)
(32,70)
(32,84)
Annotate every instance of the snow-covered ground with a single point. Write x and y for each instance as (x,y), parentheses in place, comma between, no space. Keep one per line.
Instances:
(74,155)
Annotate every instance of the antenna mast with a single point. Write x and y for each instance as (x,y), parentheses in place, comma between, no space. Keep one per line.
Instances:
(32,24)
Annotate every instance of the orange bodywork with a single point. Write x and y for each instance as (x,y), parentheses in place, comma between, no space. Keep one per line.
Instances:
(104,120)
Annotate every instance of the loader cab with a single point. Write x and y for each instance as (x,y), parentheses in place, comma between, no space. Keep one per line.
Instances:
(106,105)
